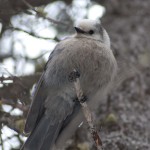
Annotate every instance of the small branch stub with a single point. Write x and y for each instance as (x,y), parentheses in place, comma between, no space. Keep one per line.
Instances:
(74,77)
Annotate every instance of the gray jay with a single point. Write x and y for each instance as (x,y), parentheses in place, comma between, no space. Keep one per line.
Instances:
(55,113)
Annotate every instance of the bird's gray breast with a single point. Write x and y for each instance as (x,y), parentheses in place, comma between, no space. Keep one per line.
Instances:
(93,60)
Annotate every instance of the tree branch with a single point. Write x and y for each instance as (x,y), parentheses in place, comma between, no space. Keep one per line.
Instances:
(74,77)
(41,14)
(2,57)
(33,34)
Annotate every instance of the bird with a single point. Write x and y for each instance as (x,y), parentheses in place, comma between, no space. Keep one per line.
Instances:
(55,113)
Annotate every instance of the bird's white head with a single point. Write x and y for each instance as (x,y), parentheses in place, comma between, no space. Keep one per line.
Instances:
(92,29)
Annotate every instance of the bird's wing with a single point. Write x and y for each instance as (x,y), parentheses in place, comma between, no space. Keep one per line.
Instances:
(48,127)
(52,108)
(40,94)
(36,108)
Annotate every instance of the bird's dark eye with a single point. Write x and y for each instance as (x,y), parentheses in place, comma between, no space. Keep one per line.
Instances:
(91,32)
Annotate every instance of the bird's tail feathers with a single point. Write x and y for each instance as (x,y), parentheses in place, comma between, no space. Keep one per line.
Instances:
(43,137)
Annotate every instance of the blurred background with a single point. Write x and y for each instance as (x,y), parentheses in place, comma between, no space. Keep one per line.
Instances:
(29,30)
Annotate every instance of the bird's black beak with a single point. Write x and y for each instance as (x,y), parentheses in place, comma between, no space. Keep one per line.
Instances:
(78,30)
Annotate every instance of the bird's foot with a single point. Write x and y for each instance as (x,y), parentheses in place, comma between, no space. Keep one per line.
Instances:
(73,76)
(83,99)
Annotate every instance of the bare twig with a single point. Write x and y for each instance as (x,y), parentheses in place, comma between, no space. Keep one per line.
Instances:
(40,14)
(2,57)
(32,77)
(74,77)
(34,35)
(15,105)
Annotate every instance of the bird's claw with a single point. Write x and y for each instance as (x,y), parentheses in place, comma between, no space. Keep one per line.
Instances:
(73,76)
